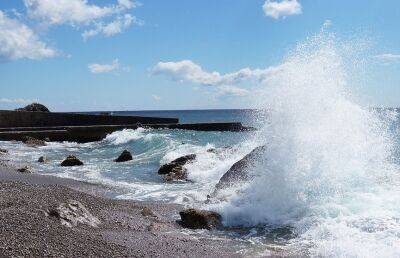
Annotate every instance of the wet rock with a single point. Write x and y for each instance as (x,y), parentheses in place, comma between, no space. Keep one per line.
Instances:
(34,107)
(73,213)
(167,168)
(177,173)
(125,156)
(200,219)
(71,161)
(239,172)
(24,169)
(3,151)
(42,159)
(33,142)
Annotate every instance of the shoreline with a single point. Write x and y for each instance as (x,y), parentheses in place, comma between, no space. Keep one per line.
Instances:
(127,228)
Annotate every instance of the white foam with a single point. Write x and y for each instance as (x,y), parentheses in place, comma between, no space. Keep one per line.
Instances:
(128,135)
(327,170)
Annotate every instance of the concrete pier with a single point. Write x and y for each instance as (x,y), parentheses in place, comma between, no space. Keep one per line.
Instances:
(15,125)
(98,132)
(10,119)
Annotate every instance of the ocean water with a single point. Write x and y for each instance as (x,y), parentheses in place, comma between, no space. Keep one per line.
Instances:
(328,184)
(138,179)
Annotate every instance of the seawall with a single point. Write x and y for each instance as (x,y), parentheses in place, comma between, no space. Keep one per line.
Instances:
(99,132)
(10,119)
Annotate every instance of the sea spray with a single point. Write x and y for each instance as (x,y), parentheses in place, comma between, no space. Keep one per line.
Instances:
(328,169)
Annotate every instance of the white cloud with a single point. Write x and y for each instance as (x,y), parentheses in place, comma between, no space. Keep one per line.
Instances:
(104,68)
(186,70)
(283,8)
(156,97)
(18,41)
(389,58)
(128,4)
(72,11)
(117,26)
(79,13)
(16,101)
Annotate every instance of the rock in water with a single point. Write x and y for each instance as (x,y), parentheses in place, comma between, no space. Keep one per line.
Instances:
(3,151)
(177,173)
(200,219)
(239,172)
(167,168)
(125,156)
(33,142)
(175,170)
(24,170)
(71,161)
(42,159)
(73,213)
(34,107)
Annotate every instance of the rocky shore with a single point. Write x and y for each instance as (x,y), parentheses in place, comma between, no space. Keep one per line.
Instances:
(49,216)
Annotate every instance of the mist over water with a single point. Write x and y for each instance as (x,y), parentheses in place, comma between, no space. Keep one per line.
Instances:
(329,170)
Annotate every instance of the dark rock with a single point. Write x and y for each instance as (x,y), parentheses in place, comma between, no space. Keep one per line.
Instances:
(42,159)
(24,170)
(33,142)
(71,161)
(184,159)
(3,151)
(239,172)
(177,173)
(167,168)
(200,219)
(73,213)
(125,156)
(34,107)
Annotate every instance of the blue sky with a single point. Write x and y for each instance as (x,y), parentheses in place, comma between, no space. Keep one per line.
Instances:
(123,55)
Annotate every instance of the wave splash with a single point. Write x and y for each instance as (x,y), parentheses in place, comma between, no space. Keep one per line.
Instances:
(328,171)
(127,135)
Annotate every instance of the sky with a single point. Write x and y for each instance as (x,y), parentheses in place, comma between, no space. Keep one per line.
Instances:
(87,55)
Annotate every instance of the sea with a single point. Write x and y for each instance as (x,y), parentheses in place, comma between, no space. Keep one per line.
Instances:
(328,184)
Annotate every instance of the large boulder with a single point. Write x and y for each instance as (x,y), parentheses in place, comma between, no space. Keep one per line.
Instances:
(200,219)
(177,173)
(72,213)
(167,168)
(239,172)
(33,142)
(125,156)
(175,170)
(34,107)
(71,161)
